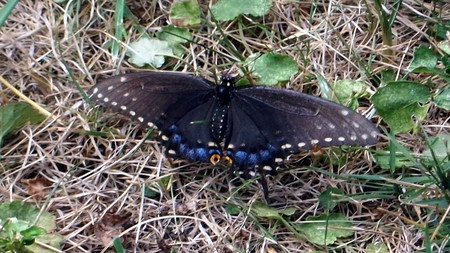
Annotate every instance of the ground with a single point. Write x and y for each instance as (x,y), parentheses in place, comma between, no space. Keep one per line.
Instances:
(102,176)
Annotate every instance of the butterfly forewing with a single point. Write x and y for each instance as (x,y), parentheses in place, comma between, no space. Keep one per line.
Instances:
(152,98)
(293,121)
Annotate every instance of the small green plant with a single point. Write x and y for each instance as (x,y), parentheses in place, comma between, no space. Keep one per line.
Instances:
(22,224)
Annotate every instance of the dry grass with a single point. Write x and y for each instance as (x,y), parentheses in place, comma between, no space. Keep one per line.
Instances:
(96,184)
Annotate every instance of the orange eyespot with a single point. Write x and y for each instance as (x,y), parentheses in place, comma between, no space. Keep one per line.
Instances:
(228,159)
(215,158)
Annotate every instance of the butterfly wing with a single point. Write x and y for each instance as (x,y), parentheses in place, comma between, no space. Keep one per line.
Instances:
(190,137)
(179,105)
(249,148)
(284,122)
(152,98)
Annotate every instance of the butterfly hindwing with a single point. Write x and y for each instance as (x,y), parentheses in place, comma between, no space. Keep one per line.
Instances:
(248,147)
(190,136)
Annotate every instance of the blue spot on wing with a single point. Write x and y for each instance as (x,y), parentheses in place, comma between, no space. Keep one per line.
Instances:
(252,159)
(240,157)
(202,154)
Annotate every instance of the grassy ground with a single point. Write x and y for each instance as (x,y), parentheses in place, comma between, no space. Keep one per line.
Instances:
(119,183)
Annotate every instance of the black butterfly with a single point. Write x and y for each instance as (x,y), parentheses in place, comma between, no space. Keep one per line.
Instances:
(252,127)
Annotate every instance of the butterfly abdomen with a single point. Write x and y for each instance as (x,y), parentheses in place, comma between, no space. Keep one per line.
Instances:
(219,123)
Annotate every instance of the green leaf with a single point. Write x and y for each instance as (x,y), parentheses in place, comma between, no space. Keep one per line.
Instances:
(149,51)
(6,10)
(377,247)
(27,213)
(242,82)
(443,98)
(16,115)
(225,10)
(185,13)
(445,46)
(118,245)
(324,87)
(388,75)
(50,239)
(232,209)
(326,229)
(400,161)
(398,102)
(18,218)
(11,226)
(119,28)
(32,232)
(347,92)
(175,36)
(265,211)
(274,68)
(440,144)
(149,192)
(440,29)
(424,57)
(329,198)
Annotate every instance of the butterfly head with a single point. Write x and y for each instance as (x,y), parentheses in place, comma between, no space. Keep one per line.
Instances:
(224,89)
(227,81)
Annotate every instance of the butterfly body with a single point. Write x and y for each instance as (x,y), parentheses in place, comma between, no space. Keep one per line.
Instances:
(252,127)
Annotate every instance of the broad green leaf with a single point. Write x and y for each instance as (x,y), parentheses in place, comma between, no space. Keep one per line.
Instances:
(20,218)
(402,102)
(32,232)
(445,46)
(274,68)
(26,212)
(446,62)
(16,115)
(242,82)
(50,239)
(232,209)
(326,229)
(400,161)
(265,211)
(440,29)
(329,198)
(225,10)
(424,57)
(175,36)
(149,51)
(12,226)
(377,247)
(443,98)
(347,92)
(185,13)
(388,75)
